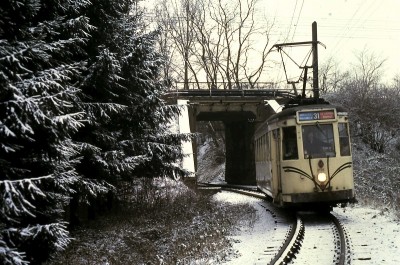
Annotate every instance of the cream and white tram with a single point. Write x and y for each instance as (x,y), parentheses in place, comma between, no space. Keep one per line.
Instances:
(303,157)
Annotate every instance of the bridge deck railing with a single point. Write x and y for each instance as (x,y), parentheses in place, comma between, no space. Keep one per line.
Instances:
(222,86)
(203,89)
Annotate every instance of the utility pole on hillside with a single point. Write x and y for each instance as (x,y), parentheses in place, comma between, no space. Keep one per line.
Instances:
(315,60)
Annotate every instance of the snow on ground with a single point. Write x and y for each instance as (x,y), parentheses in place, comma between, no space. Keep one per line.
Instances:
(249,237)
(374,235)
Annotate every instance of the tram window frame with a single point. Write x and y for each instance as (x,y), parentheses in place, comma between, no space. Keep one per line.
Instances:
(344,139)
(290,150)
(263,148)
(266,151)
(323,143)
(267,148)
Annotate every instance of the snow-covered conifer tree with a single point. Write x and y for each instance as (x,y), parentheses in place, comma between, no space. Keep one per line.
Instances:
(128,134)
(149,115)
(81,108)
(40,42)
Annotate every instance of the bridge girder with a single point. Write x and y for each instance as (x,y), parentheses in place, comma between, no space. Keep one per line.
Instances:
(241,114)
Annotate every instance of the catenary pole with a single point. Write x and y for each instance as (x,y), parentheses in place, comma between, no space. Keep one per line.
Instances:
(315,60)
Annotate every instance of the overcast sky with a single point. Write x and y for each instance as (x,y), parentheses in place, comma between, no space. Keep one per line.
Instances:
(344,26)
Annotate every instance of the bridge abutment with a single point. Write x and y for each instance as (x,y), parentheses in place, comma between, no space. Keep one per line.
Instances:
(239,165)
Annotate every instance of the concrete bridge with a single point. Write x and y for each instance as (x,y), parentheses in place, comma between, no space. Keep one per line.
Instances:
(241,111)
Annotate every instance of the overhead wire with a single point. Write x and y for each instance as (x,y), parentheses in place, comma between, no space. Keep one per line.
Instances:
(362,24)
(348,23)
(298,18)
(291,21)
(291,40)
(351,29)
(364,29)
(282,63)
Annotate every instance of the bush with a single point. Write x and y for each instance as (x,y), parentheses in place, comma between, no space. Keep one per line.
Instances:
(181,226)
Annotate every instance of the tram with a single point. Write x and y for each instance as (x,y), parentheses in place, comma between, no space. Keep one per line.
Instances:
(303,157)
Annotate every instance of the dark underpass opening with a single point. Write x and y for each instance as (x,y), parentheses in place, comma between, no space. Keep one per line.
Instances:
(225,149)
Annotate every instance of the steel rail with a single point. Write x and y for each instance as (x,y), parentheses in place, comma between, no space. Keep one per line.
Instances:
(343,242)
(292,244)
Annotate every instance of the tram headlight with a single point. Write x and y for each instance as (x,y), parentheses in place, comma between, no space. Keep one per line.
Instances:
(321,177)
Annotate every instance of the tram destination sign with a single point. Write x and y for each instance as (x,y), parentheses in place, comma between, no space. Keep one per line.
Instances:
(316,115)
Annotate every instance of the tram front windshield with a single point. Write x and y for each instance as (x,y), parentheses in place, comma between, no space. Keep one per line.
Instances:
(318,141)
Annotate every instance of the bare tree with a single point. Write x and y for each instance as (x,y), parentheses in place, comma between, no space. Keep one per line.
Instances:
(371,102)
(166,50)
(331,76)
(369,68)
(208,53)
(217,40)
(175,19)
(240,37)
(396,84)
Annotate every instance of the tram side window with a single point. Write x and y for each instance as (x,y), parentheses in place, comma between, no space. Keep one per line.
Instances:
(344,141)
(262,148)
(289,143)
(258,149)
(318,141)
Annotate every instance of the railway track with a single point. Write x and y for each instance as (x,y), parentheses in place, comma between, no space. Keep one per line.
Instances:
(323,241)
(303,238)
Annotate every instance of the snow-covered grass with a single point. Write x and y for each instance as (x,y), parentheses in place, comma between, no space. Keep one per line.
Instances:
(377,177)
(187,228)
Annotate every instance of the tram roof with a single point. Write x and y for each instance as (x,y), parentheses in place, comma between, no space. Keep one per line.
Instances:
(292,111)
